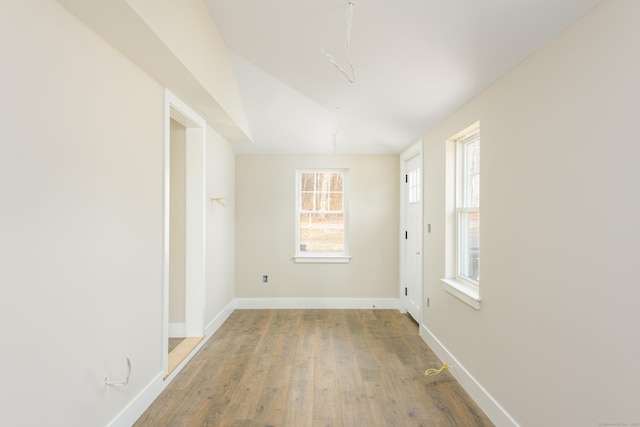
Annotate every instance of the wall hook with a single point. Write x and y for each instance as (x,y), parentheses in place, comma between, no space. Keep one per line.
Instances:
(120,383)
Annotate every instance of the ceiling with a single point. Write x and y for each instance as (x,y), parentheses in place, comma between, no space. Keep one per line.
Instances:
(416,62)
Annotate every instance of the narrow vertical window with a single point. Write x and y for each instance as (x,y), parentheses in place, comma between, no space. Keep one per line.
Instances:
(462,220)
(321,216)
(468,208)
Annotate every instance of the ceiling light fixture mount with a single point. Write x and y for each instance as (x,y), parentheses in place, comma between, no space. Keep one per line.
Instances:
(351,77)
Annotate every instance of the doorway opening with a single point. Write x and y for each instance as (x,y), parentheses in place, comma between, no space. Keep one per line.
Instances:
(184,223)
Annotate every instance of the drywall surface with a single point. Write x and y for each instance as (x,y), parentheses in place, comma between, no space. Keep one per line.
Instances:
(81,247)
(177,222)
(220,225)
(555,341)
(265,229)
(81,220)
(186,28)
(177,44)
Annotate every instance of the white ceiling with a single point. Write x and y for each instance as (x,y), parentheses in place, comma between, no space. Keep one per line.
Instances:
(416,62)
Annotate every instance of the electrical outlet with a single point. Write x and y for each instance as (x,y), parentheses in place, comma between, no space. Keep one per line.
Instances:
(265,278)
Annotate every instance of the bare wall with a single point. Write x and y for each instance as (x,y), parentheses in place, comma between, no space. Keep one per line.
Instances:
(177,223)
(81,246)
(220,225)
(555,341)
(81,222)
(265,233)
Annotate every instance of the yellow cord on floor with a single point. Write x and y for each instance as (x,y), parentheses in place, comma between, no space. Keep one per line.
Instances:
(431,372)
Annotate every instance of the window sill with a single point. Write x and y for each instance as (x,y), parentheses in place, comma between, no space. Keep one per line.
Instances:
(320,259)
(467,293)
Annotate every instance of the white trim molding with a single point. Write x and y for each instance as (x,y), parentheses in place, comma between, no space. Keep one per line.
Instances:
(492,409)
(176,330)
(136,407)
(467,293)
(322,259)
(217,321)
(317,303)
(195,275)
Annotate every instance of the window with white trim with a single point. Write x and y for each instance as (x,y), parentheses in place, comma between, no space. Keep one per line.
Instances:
(321,216)
(462,226)
(468,208)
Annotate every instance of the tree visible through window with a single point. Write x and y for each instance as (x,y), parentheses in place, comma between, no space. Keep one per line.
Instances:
(321,212)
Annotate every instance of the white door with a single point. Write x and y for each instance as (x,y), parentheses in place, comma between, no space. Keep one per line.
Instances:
(413,236)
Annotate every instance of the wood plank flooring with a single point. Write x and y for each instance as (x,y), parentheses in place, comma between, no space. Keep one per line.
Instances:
(314,368)
(173,343)
(180,352)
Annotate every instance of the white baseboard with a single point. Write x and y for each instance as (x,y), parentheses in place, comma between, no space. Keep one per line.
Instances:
(485,401)
(139,404)
(317,303)
(152,390)
(217,321)
(177,330)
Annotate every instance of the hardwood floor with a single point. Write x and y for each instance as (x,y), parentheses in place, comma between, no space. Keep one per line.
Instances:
(173,343)
(314,368)
(180,352)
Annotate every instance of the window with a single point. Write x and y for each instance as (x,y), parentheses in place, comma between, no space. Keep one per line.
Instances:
(321,216)
(462,261)
(413,180)
(468,208)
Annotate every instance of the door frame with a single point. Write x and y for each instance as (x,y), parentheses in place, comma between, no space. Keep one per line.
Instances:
(176,109)
(409,154)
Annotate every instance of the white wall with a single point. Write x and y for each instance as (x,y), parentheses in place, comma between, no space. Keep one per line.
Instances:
(176,43)
(81,222)
(186,28)
(555,341)
(177,225)
(265,233)
(81,163)
(220,226)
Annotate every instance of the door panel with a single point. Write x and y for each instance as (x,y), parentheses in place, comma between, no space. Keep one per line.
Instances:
(413,241)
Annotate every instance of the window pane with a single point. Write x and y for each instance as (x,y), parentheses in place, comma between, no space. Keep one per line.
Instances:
(322,201)
(471,180)
(306,202)
(322,232)
(473,157)
(336,182)
(473,191)
(469,244)
(414,186)
(336,201)
(323,181)
(307,181)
